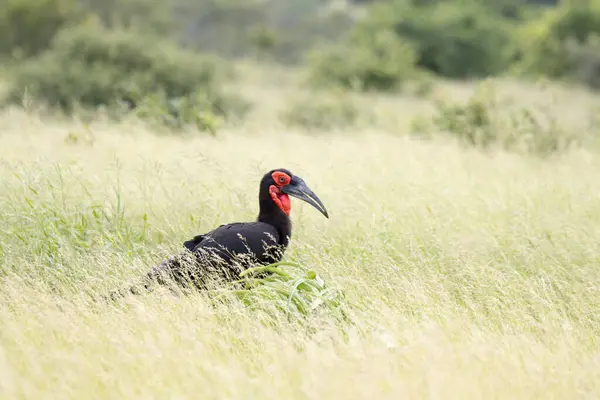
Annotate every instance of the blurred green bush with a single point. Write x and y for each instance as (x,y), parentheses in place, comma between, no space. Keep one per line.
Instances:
(563,43)
(376,61)
(454,39)
(92,67)
(27,27)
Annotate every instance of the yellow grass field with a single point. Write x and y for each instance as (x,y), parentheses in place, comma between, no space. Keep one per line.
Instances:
(468,275)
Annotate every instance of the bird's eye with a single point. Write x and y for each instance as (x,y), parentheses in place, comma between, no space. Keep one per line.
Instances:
(281,178)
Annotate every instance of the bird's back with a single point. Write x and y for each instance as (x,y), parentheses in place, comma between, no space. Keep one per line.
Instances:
(241,238)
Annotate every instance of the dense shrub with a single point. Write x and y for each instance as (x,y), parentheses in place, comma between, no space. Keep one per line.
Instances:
(563,43)
(94,67)
(456,39)
(27,27)
(380,61)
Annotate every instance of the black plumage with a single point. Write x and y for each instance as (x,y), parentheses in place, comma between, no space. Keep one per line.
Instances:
(227,250)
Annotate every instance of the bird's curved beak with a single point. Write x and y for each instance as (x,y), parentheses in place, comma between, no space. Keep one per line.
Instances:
(298,188)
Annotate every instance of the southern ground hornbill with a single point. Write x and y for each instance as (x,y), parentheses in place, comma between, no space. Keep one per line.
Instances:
(227,250)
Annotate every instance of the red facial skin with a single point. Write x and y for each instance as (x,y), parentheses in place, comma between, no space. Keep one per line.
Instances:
(281,199)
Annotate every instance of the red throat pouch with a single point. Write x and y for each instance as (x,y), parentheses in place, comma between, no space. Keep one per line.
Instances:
(282,200)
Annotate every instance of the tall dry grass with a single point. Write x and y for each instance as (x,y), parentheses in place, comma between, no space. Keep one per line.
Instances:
(466,274)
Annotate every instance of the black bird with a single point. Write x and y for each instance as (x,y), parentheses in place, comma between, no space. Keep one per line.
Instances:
(229,249)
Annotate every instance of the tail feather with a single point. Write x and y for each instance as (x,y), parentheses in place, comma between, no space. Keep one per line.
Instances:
(186,270)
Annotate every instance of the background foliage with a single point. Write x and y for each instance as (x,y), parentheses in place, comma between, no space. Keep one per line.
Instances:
(165,60)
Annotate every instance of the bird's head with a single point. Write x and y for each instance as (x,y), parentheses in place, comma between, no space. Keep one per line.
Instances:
(281,183)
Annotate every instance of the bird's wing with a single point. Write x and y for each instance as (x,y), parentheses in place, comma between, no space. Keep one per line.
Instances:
(257,238)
